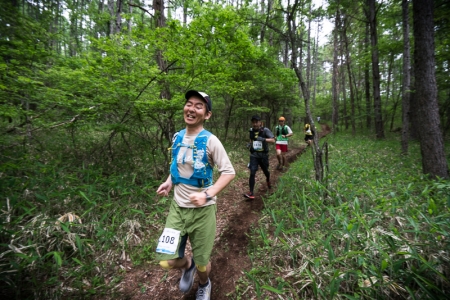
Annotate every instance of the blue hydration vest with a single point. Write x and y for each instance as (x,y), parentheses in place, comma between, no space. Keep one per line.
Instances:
(203,172)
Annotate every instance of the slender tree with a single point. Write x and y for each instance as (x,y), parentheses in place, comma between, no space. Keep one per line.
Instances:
(367,81)
(308,48)
(406,77)
(343,86)
(349,71)
(371,13)
(315,63)
(335,75)
(296,47)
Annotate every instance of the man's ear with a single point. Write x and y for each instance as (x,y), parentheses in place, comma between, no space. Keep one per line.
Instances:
(208,115)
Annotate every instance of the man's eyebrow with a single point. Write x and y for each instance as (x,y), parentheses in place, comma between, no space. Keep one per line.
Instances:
(193,102)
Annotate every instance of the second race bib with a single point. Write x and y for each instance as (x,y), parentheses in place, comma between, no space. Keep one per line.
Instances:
(257,145)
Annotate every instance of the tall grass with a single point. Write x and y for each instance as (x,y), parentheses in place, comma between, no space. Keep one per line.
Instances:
(67,227)
(375,229)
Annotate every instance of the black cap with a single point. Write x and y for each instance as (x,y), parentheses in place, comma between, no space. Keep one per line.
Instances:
(202,95)
(256,117)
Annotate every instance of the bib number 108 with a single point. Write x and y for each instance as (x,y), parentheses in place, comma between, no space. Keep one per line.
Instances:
(168,241)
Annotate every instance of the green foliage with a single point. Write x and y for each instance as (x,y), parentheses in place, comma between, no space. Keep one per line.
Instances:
(371,231)
(69,228)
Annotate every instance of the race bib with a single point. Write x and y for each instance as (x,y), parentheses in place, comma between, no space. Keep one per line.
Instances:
(257,145)
(168,241)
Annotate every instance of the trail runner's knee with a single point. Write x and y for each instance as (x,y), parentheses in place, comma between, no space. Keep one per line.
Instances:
(201,268)
(165,265)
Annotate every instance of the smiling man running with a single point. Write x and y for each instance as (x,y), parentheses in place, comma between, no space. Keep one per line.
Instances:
(192,214)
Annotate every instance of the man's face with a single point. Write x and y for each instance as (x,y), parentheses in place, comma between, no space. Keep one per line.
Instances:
(195,111)
(256,124)
(281,122)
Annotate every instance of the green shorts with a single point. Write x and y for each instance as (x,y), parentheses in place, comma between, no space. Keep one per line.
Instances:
(199,224)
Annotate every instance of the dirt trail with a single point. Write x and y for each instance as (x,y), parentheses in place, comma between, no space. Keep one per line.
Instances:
(235,217)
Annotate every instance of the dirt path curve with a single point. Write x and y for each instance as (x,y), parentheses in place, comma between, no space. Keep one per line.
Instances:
(235,217)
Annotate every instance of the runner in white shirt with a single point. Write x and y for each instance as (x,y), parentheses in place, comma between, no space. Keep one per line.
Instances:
(192,214)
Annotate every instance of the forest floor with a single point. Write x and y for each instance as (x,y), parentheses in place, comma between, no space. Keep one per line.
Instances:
(235,218)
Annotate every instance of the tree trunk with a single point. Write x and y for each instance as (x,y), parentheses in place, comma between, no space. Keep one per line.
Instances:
(308,51)
(130,21)
(406,77)
(74,15)
(118,21)
(185,12)
(286,54)
(315,63)
(229,106)
(267,14)
(388,87)
(111,13)
(160,21)
(367,83)
(54,26)
(296,44)
(342,73)
(394,110)
(349,71)
(343,88)
(379,129)
(334,84)
(434,162)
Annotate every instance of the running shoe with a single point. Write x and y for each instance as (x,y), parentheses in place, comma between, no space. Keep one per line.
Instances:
(204,293)
(249,195)
(187,278)
(269,185)
(279,167)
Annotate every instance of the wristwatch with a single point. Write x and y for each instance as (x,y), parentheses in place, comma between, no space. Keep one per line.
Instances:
(208,197)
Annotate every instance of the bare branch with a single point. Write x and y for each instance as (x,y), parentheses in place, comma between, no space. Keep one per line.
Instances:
(68,122)
(140,7)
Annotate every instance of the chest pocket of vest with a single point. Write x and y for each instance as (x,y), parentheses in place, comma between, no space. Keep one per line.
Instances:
(203,172)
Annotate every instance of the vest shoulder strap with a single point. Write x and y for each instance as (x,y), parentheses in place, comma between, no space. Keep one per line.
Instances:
(281,130)
(261,133)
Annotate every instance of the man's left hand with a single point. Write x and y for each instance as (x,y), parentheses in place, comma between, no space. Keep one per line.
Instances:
(198,199)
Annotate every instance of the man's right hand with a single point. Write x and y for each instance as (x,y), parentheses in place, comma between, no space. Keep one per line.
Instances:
(260,139)
(164,189)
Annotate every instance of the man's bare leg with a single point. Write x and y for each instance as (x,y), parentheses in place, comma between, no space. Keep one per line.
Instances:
(279,156)
(203,276)
(280,159)
(180,263)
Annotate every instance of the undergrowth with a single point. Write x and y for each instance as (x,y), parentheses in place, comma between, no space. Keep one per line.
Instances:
(376,228)
(72,220)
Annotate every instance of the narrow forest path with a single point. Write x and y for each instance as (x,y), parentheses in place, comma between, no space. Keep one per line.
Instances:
(235,217)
